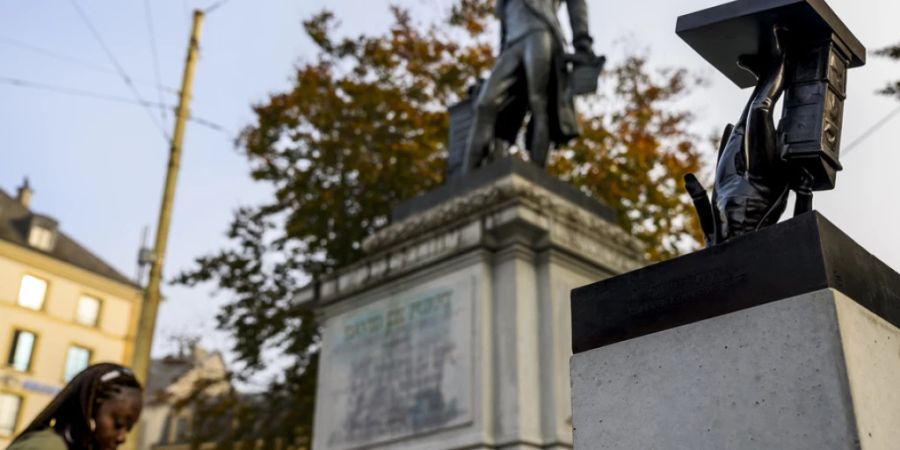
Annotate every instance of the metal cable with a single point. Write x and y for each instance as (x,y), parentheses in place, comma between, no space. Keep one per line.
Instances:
(868,133)
(78,62)
(101,96)
(215,6)
(119,68)
(148,13)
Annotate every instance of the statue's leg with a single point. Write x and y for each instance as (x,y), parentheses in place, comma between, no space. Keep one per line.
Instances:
(538,67)
(493,95)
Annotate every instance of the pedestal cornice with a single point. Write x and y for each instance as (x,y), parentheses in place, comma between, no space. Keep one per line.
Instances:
(512,208)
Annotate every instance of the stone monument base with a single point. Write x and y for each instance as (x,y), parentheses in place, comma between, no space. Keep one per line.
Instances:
(787,338)
(452,331)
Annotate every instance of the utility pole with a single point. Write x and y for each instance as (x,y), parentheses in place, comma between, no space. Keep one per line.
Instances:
(152,295)
(140,359)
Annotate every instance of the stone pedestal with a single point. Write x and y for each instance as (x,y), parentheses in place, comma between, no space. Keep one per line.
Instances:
(787,338)
(454,331)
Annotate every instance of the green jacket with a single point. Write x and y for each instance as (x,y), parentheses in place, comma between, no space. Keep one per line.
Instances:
(40,440)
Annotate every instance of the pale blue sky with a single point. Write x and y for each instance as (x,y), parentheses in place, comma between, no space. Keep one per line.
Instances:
(98,166)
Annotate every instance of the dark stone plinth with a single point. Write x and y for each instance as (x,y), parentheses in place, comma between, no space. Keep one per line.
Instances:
(799,256)
(461,185)
(723,33)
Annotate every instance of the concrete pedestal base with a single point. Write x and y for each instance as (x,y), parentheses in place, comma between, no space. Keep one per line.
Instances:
(816,371)
(706,368)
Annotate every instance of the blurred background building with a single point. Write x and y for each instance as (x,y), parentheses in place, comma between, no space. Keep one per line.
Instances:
(61,309)
(175,383)
(191,402)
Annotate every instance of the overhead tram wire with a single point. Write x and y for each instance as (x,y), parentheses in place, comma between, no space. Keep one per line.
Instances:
(148,14)
(119,68)
(79,62)
(868,133)
(210,125)
(105,97)
(215,6)
(76,92)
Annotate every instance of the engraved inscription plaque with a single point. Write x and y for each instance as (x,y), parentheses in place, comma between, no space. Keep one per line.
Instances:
(398,368)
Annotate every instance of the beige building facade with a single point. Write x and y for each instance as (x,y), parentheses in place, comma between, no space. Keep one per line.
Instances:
(61,309)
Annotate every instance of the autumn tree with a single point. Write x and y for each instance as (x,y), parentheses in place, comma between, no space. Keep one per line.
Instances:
(892,52)
(634,153)
(365,127)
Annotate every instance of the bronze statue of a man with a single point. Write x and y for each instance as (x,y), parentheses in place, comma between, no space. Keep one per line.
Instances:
(530,75)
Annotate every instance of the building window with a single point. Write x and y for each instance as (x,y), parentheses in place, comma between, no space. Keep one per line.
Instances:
(88,311)
(77,360)
(9,413)
(181,430)
(32,292)
(21,351)
(41,238)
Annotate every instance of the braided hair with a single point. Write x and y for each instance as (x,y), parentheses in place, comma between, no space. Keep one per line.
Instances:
(71,411)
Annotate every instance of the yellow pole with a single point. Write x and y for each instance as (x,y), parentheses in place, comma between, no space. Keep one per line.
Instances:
(144,340)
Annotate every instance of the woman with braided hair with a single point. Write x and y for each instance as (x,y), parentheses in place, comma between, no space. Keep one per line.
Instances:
(95,411)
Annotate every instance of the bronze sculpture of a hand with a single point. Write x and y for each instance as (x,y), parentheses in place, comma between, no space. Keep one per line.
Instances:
(799,50)
(752,180)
